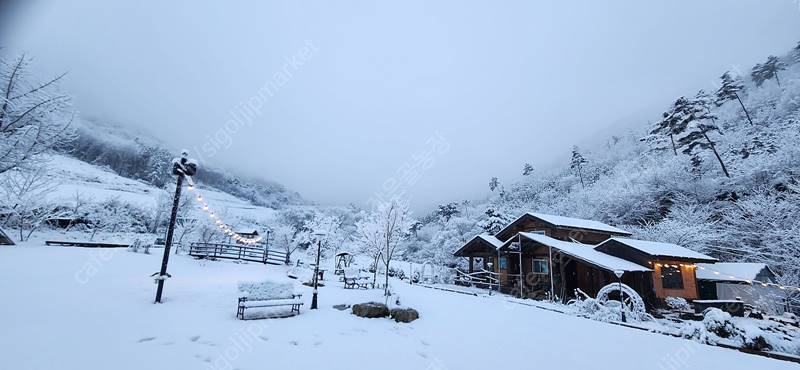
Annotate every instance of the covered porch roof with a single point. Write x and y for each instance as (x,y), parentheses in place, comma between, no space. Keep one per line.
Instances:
(483,244)
(583,252)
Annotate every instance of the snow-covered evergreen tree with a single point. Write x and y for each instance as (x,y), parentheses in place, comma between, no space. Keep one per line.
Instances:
(730,89)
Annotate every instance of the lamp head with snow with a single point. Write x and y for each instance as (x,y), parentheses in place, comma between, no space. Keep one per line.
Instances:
(619,273)
(184,165)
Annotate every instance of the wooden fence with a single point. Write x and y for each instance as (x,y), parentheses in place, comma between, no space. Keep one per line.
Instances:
(253,253)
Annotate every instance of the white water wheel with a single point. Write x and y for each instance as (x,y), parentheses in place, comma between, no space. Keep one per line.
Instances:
(630,298)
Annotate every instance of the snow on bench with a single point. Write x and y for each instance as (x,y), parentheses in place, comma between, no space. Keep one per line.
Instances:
(354,279)
(267,294)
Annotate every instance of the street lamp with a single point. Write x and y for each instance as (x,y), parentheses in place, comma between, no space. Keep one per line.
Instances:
(319,235)
(181,167)
(619,274)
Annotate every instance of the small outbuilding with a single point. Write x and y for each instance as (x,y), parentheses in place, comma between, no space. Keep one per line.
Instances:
(753,283)
(5,239)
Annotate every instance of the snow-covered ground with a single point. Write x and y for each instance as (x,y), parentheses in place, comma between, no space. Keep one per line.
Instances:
(74,308)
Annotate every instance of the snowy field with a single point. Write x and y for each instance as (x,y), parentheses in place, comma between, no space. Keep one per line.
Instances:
(74,308)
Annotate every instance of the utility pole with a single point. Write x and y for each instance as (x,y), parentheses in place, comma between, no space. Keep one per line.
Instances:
(180,167)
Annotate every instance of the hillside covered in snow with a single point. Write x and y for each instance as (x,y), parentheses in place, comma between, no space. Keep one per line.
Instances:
(717,173)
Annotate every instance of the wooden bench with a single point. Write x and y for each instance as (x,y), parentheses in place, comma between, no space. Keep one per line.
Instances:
(268,294)
(85,244)
(354,280)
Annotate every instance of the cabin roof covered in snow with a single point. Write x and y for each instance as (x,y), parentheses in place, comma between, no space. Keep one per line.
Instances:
(484,239)
(491,240)
(586,253)
(660,249)
(578,223)
(731,271)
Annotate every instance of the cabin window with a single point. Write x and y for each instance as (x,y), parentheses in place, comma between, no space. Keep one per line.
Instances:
(540,267)
(671,277)
(503,262)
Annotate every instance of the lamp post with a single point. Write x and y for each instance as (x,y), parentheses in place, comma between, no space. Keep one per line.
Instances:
(181,167)
(319,235)
(619,274)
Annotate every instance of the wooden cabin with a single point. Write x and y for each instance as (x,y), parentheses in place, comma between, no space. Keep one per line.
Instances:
(539,255)
(674,267)
(525,271)
(552,267)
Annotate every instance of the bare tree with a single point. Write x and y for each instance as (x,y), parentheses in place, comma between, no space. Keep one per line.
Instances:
(24,193)
(34,117)
(384,229)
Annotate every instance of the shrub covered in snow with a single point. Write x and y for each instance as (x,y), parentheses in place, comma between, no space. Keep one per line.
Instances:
(678,303)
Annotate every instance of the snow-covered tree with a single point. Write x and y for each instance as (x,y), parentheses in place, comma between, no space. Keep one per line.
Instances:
(24,193)
(527,169)
(729,90)
(34,117)
(494,221)
(493,183)
(383,229)
(577,164)
(698,135)
(674,122)
(283,238)
(767,71)
(447,211)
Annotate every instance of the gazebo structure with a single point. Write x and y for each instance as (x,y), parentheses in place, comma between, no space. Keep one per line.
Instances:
(342,260)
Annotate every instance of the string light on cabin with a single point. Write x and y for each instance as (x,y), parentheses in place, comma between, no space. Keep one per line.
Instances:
(217,221)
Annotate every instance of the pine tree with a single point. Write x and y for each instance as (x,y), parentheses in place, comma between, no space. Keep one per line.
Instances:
(577,164)
(527,169)
(698,135)
(797,53)
(757,74)
(674,122)
(771,67)
(494,221)
(729,90)
(493,183)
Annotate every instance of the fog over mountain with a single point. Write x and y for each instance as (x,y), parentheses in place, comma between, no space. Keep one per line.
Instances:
(340,101)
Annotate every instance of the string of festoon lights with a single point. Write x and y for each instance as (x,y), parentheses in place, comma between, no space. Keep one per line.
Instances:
(218,221)
(723,274)
(749,281)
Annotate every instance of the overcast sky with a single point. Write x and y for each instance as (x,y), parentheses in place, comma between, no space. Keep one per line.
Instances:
(358,91)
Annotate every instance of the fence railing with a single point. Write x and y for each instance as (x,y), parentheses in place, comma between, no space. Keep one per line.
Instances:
(252,253)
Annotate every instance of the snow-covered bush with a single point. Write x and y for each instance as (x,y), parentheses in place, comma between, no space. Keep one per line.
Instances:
(718,322)
(678,303)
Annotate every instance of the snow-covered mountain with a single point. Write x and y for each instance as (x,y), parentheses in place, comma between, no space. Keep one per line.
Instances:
(140,157)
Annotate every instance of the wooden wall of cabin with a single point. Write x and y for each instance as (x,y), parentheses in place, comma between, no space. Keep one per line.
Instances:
(688,274)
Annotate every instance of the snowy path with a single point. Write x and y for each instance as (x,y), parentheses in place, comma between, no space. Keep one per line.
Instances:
(72,308)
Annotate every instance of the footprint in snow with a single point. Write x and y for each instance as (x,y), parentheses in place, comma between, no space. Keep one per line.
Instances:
(263,338)
(293,342)
(423,355)
(147,339)
(317,343)
(194,338)
(424,343)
